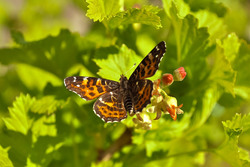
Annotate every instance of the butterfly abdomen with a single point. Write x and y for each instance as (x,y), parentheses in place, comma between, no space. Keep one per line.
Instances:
(128,103)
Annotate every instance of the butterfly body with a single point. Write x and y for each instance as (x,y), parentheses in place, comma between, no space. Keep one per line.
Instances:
(117,98)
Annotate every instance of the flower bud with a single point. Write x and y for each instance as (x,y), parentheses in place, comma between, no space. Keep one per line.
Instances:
(167,79)
(179,74)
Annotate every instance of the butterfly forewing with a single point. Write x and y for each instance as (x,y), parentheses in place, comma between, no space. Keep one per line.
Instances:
(109,107)
(150,63)
(89,87)
(142,91)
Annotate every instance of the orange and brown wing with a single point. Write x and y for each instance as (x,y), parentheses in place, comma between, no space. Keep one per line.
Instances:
(142,93)
(109,107)
(89,88)
(149,65)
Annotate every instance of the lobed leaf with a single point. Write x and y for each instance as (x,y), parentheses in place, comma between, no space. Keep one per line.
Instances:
(146,15)
(41,123)
(98,10)
(4,158)
(19,120)
(230,150)
(117,64)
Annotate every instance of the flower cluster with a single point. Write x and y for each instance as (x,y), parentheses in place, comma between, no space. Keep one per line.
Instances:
(160,101)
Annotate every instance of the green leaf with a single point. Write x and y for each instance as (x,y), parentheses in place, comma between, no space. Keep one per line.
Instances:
(215,25)
(4,158)
(146,15)
(46,105)
(224,77)
(176,9)
(229,150)
(209,5)
(49,55)
(40,77)
(190,40)
(19,120)
(117,64)
(43,150)
(240,64)
(41,123)
(244,156)
(231,46)
(237,52)
(203,106)
(46,108)
(154,146)
(98,10)
(18,37)
(239,124)
(19,146)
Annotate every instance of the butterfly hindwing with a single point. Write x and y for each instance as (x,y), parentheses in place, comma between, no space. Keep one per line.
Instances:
(149,65)
(109,107)
(89,88)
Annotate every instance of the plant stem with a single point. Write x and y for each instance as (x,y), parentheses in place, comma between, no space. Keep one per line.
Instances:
(123,140)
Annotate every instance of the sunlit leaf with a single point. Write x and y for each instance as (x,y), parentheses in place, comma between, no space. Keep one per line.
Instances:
(103,9)
(231,46)
(214,24)
(230,150)
(39,77)
(117,64)
(4,159)
(226,76)
(146,15)
(19,120)
(180,8)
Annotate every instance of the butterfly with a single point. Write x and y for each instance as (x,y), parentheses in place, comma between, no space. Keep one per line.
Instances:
(117,98)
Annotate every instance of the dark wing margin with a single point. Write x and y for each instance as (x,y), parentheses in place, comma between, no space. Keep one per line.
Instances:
(109,107)
(149,65)
(142,93)
(89,88)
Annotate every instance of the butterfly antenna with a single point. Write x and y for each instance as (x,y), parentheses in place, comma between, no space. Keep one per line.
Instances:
(130,69)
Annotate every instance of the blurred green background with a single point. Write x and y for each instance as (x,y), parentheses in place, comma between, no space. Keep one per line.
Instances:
(43,42)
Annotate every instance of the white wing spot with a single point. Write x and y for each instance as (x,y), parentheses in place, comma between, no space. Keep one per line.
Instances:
(74,79)
(157,47)
(161,58)
(100,99)
(65,82)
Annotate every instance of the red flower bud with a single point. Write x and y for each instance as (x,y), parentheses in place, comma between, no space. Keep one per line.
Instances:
(167,79)
(179,74)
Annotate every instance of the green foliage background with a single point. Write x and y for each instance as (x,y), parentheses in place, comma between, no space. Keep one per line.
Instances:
(42,42)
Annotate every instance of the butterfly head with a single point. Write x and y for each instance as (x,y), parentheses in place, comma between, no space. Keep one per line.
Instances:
(123,81)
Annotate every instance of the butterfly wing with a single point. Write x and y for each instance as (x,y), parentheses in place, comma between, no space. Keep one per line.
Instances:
(142,92)
(141,88)
(109,107)
(89,88)
(150,63)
